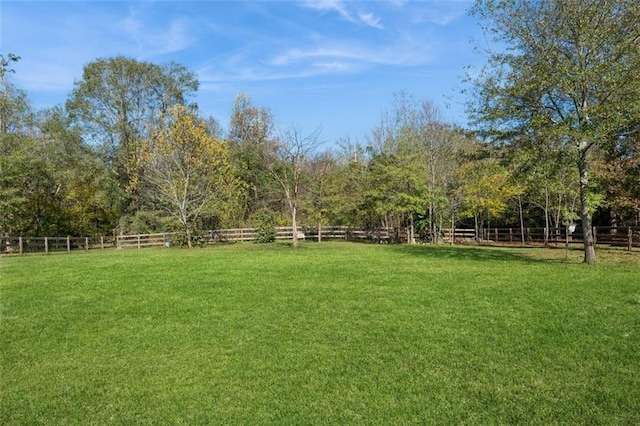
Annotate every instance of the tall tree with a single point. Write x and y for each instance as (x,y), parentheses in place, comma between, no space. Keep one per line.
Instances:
(569,72)
(83,183)
(287,168)
(484,187)
(188,168)
(423,151)
(51,183)
(398,186)
(15,111)
(545,175)
(396,192)
(320,168)
(439,146)
(345,204)
(116,103)
(22,175)
(251,141)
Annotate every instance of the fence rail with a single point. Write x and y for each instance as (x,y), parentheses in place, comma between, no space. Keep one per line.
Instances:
(626,236)
(622,236)
(22,245)
(304,232)
(144,240)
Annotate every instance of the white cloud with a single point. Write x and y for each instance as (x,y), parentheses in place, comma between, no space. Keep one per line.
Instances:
(329,5)
(440,12)
(401,53)
(371,20)
(327,57)
(156,40)
(341,7)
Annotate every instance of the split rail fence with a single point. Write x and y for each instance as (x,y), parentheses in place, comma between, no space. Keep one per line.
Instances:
(628,237)
(623,236)
(23,245)
(304,233)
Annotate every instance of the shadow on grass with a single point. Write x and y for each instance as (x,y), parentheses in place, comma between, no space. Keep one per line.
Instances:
(478,253)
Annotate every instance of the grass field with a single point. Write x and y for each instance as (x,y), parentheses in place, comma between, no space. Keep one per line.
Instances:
(331,333)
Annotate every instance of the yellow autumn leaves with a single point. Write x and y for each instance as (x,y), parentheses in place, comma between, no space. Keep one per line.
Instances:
(185,169)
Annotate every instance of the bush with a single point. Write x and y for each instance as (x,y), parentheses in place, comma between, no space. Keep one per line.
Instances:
(265,225)
(142,222)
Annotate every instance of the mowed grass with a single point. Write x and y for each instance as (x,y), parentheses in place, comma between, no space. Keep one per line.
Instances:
(331,333)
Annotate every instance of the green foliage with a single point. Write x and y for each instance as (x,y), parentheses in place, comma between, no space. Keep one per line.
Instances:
(52,184)
(114,160)
(20,173)
(485,187)
(251,144)
(196,240)
(395,187)
(146,222)
(329,334)
(265,224)
(414,158)
(345,204)
(621,173)
(15,111)
(117,102)
(188,171)
(568,74)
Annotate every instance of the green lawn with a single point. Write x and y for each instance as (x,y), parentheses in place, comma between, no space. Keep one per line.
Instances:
(331,333)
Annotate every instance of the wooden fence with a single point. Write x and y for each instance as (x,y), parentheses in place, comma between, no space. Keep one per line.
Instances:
(304,232)
(145,240)
(623,236)
(628,237)
(22,245)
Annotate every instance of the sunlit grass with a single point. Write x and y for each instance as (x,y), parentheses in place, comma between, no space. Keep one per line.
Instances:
(327,334)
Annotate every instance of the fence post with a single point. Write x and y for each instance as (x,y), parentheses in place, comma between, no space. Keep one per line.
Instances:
(139,242)
(68,244)
(86,243)
(595,236)
(510,235)
(102,243)
(20,245)
(630,234)
(46,244)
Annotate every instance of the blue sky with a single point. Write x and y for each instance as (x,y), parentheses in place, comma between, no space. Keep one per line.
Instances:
(326,63)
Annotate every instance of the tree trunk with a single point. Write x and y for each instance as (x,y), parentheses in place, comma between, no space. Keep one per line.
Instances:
(587,232)
(521,218)
(546,217)
(453,226)
(475,217)
(412,238)
(432,225)
(187,232)
(294,226)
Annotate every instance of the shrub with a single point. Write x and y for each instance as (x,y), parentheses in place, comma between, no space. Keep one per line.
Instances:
(265,224)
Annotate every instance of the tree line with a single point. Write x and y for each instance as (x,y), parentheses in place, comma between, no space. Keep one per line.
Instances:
(554,140)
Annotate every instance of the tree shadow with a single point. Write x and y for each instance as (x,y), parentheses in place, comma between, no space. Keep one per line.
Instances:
(478,253)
